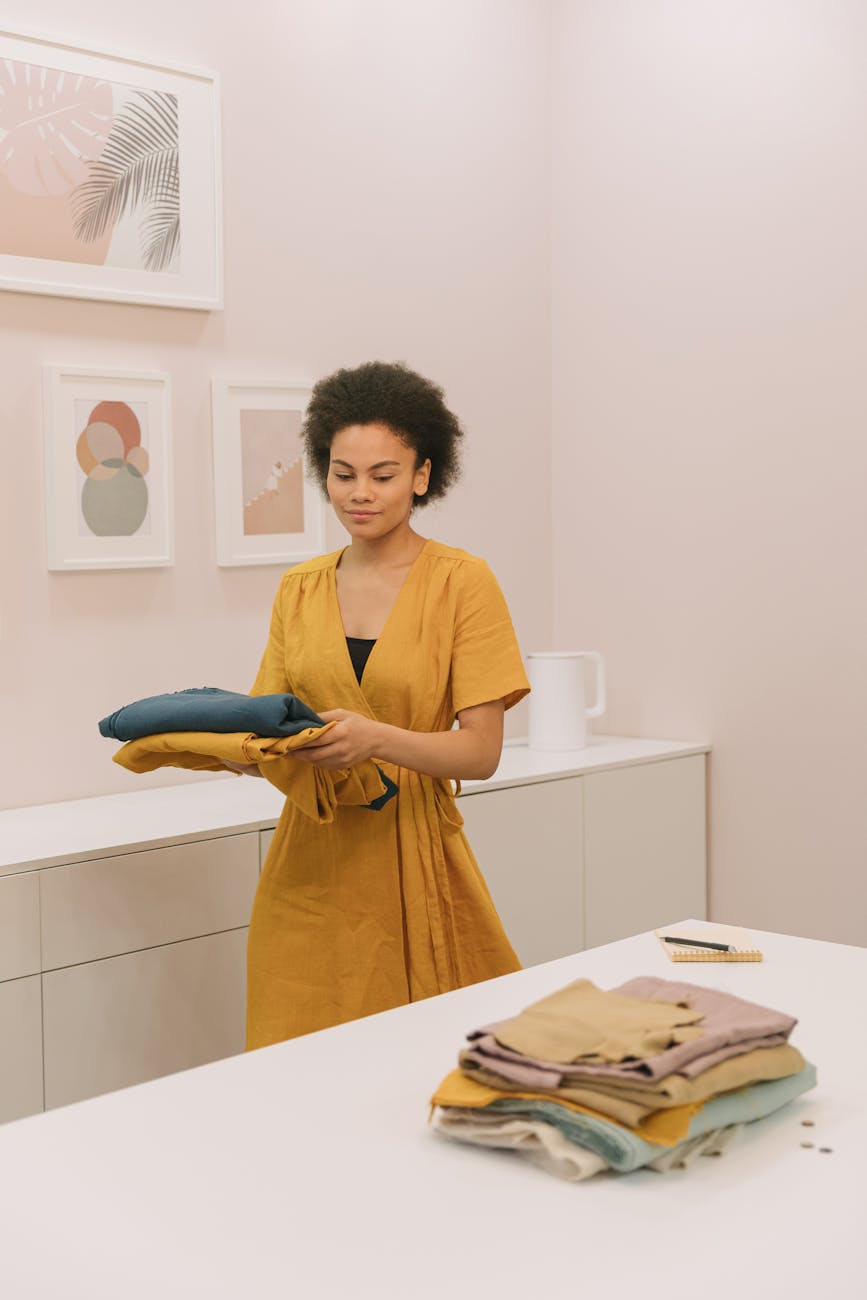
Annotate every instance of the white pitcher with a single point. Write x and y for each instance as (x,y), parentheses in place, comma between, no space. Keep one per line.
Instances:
(558,700)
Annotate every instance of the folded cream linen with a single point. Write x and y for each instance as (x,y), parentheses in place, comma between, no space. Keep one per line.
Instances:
(541,1144)
(550,1150)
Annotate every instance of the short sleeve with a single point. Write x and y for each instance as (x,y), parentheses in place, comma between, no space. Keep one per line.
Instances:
(486,661)
(271,678)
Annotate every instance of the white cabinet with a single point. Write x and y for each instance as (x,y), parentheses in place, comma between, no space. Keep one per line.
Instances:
(109,1024)
(527,841)
(140,900)
(581,861)
(140,970)
(143,963)
(123,919)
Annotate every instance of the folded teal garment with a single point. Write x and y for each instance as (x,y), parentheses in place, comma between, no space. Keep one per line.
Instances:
(625,1151)
(208,708)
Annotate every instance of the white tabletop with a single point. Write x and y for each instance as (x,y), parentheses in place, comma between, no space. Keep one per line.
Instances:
(307,1169)
(46,835)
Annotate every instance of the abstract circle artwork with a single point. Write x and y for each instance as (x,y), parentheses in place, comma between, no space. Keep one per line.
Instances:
(114,498)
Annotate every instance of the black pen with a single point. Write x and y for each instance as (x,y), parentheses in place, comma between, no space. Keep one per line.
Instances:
(699,943)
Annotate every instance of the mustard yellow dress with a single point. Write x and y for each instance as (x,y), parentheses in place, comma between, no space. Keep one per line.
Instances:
(375,909)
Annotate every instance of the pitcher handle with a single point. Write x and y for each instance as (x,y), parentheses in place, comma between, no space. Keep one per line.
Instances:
(599,707)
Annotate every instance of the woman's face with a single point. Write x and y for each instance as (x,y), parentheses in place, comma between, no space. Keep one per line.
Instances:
(372,479)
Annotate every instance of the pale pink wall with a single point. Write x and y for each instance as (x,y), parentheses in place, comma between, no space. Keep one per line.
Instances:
(386,195)
(709,412)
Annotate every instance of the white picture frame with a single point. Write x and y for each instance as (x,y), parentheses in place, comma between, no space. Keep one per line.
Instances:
(108,469)
(266,509)
(110,176)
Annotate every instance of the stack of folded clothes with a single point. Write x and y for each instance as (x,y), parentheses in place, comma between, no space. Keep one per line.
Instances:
(652,1073)
(206,729)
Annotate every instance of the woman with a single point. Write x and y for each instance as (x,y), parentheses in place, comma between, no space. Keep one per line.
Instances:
(392,638)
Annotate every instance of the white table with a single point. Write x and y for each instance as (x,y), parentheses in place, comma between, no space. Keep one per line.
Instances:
(307,1170)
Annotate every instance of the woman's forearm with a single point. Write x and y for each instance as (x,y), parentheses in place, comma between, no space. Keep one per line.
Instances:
(459,755)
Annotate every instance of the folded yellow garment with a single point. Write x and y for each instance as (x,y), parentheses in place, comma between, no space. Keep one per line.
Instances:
(664,1128)
(316,792)
(584,1023)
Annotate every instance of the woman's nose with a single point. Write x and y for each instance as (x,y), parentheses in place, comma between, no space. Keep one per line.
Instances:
(361,490)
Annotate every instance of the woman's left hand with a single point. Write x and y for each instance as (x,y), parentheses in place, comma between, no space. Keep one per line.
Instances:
(352,740)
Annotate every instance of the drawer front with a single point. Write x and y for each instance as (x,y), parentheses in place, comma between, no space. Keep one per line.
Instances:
(20,1048)
(19,925)
(110,1024)
(92,910)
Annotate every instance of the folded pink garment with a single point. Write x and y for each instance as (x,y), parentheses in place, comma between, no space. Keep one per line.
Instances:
(731,1027)
(532,1074)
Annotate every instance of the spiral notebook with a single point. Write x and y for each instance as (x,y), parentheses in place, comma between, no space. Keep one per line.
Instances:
(708,943)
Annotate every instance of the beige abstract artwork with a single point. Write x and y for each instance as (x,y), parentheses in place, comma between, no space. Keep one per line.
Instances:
(272,472)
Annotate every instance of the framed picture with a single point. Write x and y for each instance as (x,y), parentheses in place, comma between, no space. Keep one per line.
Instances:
(108,480)
(267,511)
(109,176)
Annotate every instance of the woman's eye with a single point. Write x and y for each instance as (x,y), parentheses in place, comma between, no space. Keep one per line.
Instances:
(384,478)
(343,477)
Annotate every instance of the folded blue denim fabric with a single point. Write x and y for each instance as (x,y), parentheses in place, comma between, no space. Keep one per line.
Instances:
(626,1151)
(207,708)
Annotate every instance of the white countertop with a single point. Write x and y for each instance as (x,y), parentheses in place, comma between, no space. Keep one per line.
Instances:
(47,834)
(307,1169)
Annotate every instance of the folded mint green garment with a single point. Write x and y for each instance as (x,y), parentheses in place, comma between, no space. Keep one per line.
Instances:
(625,1151)
(208,708)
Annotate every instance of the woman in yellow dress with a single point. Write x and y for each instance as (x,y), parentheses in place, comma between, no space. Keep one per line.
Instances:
(392,638)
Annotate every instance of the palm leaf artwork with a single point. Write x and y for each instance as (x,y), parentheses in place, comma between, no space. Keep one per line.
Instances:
(138,168)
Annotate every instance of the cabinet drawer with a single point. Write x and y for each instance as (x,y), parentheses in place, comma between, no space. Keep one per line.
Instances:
(20,1048)
(19,925)
(92,910)
(110,1024)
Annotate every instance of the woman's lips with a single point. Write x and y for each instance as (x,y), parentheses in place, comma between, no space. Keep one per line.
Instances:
(361,514)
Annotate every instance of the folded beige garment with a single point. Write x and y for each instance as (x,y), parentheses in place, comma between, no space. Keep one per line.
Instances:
(584,1023)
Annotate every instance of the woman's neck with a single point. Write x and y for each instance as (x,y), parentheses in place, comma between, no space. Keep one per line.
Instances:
(396,551)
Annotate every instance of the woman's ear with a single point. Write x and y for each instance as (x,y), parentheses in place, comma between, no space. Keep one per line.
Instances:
(421,481)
